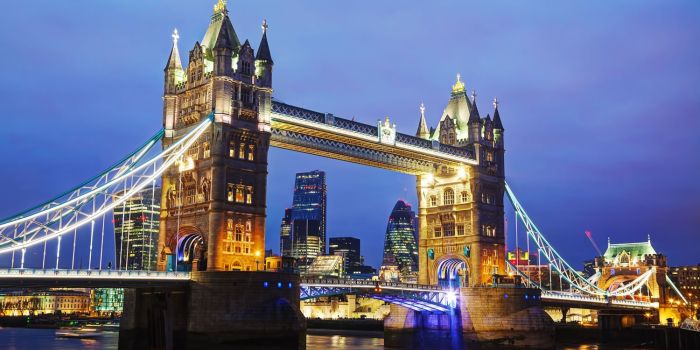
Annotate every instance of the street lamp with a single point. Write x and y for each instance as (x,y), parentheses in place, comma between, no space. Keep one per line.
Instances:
(257,255)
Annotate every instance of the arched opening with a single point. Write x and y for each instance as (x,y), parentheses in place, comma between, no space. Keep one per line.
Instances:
(453,273)
(191,253)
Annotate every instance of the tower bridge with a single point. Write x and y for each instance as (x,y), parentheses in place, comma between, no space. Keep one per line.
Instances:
(219,120)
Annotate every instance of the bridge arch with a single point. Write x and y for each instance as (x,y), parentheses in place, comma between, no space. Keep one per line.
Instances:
(191,250)
(451,271)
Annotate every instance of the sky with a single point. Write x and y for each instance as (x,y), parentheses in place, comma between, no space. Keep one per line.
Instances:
(600,101)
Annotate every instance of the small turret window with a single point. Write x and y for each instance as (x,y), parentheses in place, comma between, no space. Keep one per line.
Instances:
(433,201)
(464,197)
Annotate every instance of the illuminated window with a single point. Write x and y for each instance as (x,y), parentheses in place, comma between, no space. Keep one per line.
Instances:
(433,201)
(449,197)
(229,224)
(488,230)
(489,156)
(248,226)
(460,230)
(241,151)
(232,150)
(229,192)
(251,152)
(206,150)
(437,232)
(238,250)
(239,194)
(464,197)
(239,233)
(249,195)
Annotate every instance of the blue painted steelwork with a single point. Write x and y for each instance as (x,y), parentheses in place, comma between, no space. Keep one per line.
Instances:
(413,296)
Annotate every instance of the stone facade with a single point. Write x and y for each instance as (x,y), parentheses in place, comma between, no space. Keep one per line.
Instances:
(213,200)
(460,211)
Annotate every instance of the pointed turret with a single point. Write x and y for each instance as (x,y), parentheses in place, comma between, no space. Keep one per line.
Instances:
(263,60)
(474,121)
(474,113)
(422,131)
(227,37)
(174,61)
(220,32)
(174,74)
(264,48)
(497,124)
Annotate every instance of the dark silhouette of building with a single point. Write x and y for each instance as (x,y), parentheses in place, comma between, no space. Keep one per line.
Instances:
(286,234)
(303,229)
(348,248)
(400,242)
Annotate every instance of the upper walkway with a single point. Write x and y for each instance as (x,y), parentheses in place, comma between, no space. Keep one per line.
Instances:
(380,145)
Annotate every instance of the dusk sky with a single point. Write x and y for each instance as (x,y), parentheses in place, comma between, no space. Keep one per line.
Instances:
(600,101)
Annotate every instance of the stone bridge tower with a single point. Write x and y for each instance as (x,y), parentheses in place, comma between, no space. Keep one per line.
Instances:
(213,204)
(461,228)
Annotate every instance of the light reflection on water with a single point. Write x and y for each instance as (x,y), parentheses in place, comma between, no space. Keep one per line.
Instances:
(39,339)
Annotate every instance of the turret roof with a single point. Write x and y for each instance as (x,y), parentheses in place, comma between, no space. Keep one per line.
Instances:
(497,124)
(174,61)
(220,32)
(264,49)
(636,249)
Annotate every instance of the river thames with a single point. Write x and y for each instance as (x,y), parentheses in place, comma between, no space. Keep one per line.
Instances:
(35,338)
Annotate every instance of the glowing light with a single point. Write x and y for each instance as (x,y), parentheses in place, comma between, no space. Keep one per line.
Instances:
(462,173)
(257,253)
(451,299)
(186,164)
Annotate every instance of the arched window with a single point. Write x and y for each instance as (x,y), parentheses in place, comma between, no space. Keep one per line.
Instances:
(232,149)
(207,151)
(448,197)
(249,195)
(433,201)
(239,194)
(464,197)
(241,150)
(251,152)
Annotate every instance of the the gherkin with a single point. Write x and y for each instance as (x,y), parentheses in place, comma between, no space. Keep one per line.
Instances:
(400,246)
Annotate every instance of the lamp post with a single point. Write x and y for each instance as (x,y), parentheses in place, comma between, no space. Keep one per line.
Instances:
(257,256)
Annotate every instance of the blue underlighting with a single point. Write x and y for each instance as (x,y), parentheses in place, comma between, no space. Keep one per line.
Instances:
(265,284)
(505,296)
(279,284)
(290,285)
(525,296)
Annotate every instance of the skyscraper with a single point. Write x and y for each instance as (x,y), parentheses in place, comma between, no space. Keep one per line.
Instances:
(400,246)
(309,213)
(286,233)
(348,248)
(136,226)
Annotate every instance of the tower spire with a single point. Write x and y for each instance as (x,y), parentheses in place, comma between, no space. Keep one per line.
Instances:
(264,49)
(422,131)
(497,124)
(474,113)
(174,58)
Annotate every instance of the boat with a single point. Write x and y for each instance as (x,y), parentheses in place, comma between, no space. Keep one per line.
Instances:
(80,333)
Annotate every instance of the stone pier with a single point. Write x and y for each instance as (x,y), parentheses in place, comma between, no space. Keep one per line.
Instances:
(218,310)
(498,316)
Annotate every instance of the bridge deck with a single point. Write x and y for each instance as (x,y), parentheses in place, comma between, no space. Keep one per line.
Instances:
(40,278)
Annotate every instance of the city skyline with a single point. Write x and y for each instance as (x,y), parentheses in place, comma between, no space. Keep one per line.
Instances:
(577,174)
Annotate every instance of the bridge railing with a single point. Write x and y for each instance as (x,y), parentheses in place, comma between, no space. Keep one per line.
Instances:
(567,296)
(111,274)
(370,283)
